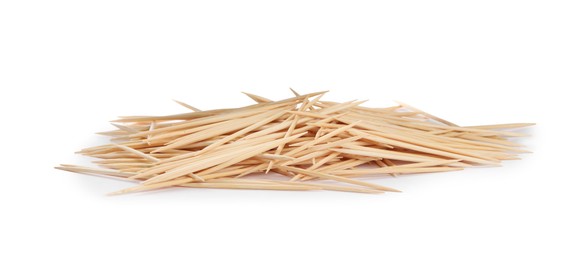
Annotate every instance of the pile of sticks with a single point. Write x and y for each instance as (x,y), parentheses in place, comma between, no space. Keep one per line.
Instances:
(299,143)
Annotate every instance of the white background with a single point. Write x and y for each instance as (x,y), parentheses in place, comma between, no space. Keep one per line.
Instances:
(68,67)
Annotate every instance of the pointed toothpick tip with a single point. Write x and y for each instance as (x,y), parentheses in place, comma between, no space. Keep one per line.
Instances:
(294,92)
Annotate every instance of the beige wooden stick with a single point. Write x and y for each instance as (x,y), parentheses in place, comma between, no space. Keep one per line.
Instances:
(187,106)
(337,178)
(128,149)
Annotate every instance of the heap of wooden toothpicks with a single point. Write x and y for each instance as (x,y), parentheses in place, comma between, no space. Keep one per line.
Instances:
(299,143)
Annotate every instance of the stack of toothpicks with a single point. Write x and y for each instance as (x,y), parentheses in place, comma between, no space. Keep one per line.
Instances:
(299,143)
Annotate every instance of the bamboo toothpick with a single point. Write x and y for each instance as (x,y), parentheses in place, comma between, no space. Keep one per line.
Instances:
(298,142)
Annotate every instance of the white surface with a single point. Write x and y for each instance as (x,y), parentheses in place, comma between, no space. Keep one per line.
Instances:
(68,67)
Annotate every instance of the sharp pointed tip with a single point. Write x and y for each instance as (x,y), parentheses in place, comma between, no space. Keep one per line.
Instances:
(115,193)
(392,189)
(119,192)
(125,191)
